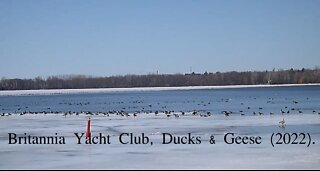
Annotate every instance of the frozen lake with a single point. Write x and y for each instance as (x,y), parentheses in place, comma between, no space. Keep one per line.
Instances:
(112,113)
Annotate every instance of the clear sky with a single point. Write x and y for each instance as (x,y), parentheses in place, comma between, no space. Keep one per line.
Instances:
(104,38)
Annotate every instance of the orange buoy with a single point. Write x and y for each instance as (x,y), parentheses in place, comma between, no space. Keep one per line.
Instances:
(88,133)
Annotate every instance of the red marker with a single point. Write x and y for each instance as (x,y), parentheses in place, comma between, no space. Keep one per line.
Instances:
(88,133)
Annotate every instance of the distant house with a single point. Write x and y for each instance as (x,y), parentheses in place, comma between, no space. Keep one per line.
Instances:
(193,73)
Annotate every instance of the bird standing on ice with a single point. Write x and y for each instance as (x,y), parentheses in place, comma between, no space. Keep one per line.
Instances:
(282,123)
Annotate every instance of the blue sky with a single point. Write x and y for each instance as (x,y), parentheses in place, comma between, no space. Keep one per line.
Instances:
(104,38)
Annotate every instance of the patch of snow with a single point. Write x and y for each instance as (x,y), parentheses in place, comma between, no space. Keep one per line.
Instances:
(110,90)
(159,156)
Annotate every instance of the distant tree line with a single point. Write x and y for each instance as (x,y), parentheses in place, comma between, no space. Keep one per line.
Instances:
(291,76)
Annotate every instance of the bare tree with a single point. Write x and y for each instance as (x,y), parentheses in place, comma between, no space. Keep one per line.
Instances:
(291,76)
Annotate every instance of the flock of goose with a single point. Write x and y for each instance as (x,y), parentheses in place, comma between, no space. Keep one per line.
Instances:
(168,113)
(164,112)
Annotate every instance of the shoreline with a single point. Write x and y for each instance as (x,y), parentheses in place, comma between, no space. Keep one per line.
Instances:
(137,89)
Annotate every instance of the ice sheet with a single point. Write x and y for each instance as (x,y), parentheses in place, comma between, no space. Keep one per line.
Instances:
(159,156)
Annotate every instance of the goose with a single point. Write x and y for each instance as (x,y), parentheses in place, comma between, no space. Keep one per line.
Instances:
(209,113)
(194,113)
(226,113)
